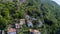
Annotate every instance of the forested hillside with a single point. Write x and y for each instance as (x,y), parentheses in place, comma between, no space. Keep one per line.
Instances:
(45,10)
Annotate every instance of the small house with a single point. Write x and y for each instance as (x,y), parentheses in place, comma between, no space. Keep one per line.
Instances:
(22,21)
(31,31)
(17,25)
(37,32)
(29,23)
(34,31)
(11,31)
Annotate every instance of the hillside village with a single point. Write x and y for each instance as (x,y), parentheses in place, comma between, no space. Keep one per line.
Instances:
(16,27)
(29,17)
(28,21)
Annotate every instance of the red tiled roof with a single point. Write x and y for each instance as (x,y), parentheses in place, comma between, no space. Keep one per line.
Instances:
(33,30)
(11,30)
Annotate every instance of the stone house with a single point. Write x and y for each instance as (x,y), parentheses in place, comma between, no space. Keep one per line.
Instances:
(14,28)
(22,21)
(11,31)
(29,23)
(19,25)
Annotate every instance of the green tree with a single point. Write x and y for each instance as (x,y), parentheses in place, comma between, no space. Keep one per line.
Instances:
(3,23)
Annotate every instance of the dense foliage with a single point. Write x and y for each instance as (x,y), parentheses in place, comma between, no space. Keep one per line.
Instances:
(47,11)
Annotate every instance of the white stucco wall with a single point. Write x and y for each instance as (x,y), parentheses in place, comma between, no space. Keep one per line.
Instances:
(11,32)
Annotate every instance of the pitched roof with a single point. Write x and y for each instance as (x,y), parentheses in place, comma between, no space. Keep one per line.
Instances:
(34,31)
(11,30)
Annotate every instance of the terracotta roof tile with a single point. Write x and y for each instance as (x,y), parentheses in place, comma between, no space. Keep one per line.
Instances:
(11,30)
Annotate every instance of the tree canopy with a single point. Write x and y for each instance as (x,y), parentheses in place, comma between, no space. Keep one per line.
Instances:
(45,10)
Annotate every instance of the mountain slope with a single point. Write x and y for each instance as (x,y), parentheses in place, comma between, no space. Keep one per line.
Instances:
(45,10)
